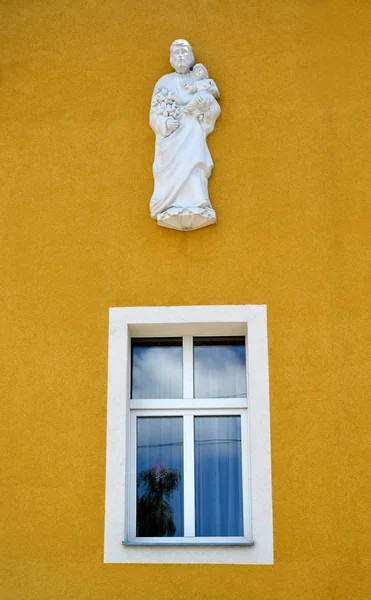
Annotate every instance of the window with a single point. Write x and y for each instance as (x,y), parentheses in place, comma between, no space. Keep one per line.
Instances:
(188,471)
(188,456)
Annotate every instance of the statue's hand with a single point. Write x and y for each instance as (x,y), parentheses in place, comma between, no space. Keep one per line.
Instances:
(201,104)
(172,124)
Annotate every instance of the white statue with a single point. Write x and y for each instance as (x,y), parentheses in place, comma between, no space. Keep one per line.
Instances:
(183,112)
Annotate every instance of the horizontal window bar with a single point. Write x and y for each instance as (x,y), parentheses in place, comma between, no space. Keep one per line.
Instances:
(188,411)
(179,403)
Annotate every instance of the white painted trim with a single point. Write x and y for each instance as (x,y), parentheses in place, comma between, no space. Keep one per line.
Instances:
(187,367)
(149,412)
(246,477)
(190,403)
(199,541)
(179,321)
(189,476)
(132,479)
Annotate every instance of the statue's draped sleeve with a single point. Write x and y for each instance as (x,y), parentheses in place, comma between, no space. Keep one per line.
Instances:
(158,123)
(210,117)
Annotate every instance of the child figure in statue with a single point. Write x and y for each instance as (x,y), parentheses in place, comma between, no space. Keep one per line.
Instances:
(202,86)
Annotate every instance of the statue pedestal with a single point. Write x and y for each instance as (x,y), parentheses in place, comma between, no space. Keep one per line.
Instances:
(186,219)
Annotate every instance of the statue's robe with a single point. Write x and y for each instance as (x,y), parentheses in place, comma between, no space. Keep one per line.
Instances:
(182,162)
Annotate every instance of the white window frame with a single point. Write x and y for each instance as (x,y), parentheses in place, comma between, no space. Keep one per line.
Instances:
(121,544)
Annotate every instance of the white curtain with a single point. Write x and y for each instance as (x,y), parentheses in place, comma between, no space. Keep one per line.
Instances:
(219,368)
(157,370)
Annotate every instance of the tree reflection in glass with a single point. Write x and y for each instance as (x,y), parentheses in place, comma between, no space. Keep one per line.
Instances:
(159,479)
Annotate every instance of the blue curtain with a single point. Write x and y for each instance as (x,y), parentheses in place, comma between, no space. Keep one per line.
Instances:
(218,476)
(160,496)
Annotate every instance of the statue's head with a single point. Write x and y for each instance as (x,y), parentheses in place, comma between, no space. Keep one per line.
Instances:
(181,56)
(200,72)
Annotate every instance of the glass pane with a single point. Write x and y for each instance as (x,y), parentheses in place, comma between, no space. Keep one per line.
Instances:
(160,477)
(219,367)
(218,476)
(156,368)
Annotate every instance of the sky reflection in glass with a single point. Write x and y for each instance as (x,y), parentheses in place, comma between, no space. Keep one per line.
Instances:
(157,369)
(218,473)
(160,477)
(219,367)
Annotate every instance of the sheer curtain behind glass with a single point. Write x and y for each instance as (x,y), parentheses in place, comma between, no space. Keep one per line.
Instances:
(218,472)
(160,496)
(157,369)
(219,367)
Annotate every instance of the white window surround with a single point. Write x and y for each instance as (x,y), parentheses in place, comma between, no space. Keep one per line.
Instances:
(175,321)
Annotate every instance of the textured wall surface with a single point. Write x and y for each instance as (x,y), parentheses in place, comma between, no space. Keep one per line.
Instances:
(291,187)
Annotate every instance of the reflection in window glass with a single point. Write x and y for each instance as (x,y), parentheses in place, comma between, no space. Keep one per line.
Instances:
(219,367)
(157,370)
(160,477)
(218,476)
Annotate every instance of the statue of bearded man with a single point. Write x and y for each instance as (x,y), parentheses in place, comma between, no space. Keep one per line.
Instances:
(183,113)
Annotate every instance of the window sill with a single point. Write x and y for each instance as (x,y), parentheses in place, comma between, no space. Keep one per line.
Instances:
(208,542)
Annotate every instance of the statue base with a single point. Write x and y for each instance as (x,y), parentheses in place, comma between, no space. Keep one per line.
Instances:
(186,219)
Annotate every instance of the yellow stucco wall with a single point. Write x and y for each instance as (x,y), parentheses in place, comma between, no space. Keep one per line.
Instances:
(291,187)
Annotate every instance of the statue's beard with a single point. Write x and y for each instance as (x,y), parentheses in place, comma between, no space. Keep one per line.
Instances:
(183,67)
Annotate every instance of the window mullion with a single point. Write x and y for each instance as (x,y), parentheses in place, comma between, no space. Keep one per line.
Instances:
(189,476)
(132,474)
(246,476)
(187,366)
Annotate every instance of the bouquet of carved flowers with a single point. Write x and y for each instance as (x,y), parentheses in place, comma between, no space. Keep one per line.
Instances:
(164,103)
